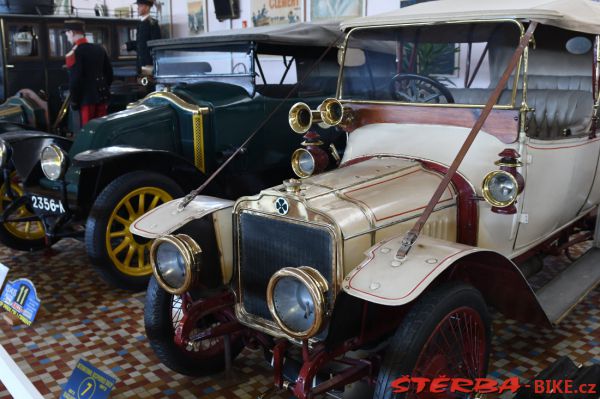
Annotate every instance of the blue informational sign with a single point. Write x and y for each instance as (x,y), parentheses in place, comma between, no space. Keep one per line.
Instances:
(87,382)
(20,298)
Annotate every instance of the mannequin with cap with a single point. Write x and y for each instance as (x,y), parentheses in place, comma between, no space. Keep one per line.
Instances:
(147,29)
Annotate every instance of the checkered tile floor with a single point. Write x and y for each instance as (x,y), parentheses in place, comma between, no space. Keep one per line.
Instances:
(83,318)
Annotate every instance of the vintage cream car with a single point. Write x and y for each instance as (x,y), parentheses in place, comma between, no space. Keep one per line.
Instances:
(472,151)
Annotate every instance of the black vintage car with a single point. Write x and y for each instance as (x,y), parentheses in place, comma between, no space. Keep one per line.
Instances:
(214,92)
(33,78)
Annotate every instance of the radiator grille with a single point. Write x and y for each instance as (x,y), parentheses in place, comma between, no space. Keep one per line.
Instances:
(267,245)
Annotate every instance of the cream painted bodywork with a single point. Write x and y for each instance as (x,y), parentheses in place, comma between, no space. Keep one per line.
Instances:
(364,203)
(440,144)
(383,278)
(167,218)
(560,175)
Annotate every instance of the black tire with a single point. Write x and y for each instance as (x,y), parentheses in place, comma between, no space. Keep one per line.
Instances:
(160,332)
(103,210)
(418,326)
(11,234)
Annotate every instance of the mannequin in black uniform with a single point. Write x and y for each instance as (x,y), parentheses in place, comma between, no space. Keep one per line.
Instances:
(147,29)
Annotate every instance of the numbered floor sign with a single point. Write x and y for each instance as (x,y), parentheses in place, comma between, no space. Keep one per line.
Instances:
(20,298)
(87,382)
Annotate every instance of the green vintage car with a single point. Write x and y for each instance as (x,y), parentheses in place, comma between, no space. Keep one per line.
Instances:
(212,93)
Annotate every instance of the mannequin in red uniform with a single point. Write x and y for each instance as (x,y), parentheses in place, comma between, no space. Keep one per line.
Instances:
(90,74)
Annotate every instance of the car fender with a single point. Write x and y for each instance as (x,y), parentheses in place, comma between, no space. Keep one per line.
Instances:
(169,217)
(388,280)
(99,167)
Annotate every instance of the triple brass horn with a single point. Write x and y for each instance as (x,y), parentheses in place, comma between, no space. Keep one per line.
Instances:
(301,117)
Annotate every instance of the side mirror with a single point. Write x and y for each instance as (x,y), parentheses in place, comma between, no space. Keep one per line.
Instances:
(354,57)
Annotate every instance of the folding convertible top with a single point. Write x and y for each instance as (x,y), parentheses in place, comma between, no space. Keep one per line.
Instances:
(297,34)
(576,15)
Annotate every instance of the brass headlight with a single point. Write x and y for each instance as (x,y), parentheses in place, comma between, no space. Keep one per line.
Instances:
(309,161)
(297,301)
(54,162)
(176,262)
(500,188)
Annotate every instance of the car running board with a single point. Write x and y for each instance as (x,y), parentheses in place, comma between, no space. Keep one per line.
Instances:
(565,291)
(561,371)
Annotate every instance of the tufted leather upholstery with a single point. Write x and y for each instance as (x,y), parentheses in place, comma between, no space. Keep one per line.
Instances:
(558,110)
(555,110)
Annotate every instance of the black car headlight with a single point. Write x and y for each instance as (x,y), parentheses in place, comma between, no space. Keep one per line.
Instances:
(297,301)
(176,262)
(54,162)
(500,188)
(4,153)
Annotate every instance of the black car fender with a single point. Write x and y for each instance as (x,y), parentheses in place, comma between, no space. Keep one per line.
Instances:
(25,147)
(98,168)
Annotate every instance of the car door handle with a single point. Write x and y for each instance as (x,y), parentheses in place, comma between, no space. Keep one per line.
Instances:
(9,66)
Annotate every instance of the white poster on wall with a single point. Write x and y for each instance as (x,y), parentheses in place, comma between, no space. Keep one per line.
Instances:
(196,16)
(276,12)
(62,7)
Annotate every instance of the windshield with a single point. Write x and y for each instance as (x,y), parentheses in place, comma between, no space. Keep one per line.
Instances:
(207,62)
(441,64)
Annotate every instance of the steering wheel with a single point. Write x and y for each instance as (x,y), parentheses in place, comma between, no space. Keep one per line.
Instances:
(412,88)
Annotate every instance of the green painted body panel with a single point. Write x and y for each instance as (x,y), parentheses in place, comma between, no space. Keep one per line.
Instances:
(142,126)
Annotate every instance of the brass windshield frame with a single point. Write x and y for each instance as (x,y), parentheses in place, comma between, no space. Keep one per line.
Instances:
(518,69)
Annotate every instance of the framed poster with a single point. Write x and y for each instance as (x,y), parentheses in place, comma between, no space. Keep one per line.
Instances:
(336,9)
(196,16)
(273,12)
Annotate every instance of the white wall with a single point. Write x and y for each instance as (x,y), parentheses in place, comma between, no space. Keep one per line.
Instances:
(180,28)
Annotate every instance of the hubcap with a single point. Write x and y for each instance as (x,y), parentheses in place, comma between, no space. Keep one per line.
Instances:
(456,348)
(32,230)
(131,256)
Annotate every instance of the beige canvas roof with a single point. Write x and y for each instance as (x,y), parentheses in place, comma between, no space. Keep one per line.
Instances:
(577,15)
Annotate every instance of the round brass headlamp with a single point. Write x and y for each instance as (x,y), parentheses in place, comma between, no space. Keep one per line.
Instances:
(297,300)
(176,262)
(500,188)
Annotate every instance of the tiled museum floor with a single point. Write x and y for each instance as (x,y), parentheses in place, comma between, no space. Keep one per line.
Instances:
(84,318)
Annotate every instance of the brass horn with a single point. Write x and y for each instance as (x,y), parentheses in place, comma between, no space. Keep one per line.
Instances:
(332,112)
(301,118)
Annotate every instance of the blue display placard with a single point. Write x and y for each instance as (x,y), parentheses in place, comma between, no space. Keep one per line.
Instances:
(87,382)
(20,298)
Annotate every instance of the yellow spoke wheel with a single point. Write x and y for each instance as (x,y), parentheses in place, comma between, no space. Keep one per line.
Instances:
(32,230)
(130,255)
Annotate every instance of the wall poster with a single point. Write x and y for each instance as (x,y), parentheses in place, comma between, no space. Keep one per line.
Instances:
(276,12)
(196,16)
(336,9)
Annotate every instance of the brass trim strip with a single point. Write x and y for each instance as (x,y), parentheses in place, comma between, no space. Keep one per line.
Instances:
(13,110)
(198,132)
(367,102)
(173,99)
